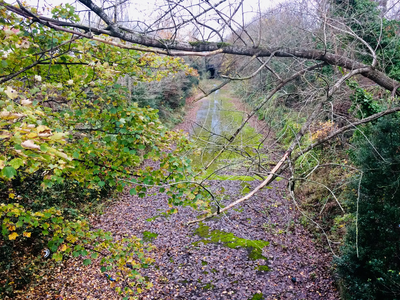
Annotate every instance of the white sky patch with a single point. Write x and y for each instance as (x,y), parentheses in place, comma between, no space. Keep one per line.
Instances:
(141,10)
(142,13)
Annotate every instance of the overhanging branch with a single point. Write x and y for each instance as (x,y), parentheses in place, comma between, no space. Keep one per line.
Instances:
(198,48)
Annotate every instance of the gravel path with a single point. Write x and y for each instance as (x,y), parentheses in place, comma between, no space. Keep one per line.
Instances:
(213,271)
(186,268)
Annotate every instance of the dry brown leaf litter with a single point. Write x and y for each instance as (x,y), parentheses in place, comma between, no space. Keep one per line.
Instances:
(212,271)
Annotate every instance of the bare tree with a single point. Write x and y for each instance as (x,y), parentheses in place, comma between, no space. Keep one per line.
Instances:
(286,46)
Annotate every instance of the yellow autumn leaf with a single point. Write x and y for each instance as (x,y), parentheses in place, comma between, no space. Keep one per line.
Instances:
(27,234)
(56,152)
(63,155)
(5,135)
(11,195)
(32,135)
(4,114)
(63,247)
(41,128)
(71,238)
(16,211)
(13,236)
(16,116)
(11,227)
(40,113)
(11,93)
(58,136)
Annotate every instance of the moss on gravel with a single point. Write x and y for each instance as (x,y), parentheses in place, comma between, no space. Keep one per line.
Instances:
(149,236)
(208,286)
(220,116)
(229,240)
(258,296)
(263,268)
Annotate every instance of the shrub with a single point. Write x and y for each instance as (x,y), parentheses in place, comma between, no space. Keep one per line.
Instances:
(370,261)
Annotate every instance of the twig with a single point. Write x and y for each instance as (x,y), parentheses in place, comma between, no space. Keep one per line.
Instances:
(358,200)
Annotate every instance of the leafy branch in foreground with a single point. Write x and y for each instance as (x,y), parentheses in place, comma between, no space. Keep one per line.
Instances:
(66,238)
(71,134)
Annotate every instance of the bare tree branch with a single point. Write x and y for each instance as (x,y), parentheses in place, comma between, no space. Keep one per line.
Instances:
(113,30)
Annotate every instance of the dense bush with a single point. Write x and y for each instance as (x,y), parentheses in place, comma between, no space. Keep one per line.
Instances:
(370,261)
(364,18)
(167,95)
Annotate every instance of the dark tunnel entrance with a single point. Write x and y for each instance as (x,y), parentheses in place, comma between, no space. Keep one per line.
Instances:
(211,70)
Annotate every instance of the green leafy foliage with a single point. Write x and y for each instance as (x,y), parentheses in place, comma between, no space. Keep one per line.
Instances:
(71,134)
(231,241)
(375,272)
(379,33)
(364,101)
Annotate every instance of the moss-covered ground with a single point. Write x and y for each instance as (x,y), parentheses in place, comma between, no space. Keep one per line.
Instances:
(218,121)
(229,240)
(149,236)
